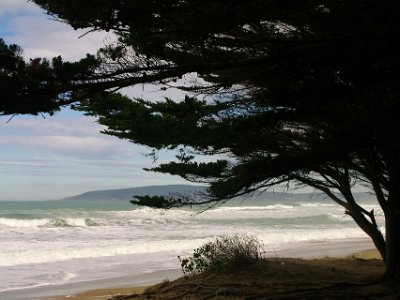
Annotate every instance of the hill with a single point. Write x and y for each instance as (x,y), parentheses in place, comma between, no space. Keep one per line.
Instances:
(128,193)
(163,190)
(258,198)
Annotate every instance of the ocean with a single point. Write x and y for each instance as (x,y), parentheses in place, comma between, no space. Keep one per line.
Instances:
(58,243)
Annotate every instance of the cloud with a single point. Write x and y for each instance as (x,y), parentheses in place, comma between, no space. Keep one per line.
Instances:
(67,135)
(14,6)
(57,124)
(70,147)
(27,25)
(66,145)
(20,163)
(41,37)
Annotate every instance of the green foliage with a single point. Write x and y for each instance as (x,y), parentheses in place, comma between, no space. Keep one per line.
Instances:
(224,253)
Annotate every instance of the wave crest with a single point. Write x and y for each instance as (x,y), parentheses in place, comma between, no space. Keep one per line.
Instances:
(46,222)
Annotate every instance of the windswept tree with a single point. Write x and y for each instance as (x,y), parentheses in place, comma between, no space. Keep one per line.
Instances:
(301,91)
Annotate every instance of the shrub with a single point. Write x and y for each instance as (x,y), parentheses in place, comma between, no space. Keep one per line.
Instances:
(223,253)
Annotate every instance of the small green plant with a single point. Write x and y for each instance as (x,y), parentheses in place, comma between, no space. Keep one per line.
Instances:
(223,253)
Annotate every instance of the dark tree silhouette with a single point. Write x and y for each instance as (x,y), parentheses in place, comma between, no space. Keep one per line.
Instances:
(39,85)
(301,91)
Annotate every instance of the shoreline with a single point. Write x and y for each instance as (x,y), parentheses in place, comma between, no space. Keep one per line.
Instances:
(104,293)
(104,289)
(321,249)
(107,286)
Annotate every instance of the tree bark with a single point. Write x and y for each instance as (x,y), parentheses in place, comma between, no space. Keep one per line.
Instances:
(392,217)
(359,215)
(370,229)
(392,225)
(364,219)
(393,245)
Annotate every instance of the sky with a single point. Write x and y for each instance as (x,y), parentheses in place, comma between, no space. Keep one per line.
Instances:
(52,157)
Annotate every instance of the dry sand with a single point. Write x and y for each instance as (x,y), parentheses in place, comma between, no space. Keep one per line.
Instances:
(354,276)
(366,254)
(102,294)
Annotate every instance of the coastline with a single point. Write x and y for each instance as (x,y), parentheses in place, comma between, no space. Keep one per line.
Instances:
(107,287)
(104,294)
(349,250)
(320,249)
(350,261)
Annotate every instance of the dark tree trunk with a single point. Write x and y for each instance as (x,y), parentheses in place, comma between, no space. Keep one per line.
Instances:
(393,245)
(364,219)
(371,229)
(392,217)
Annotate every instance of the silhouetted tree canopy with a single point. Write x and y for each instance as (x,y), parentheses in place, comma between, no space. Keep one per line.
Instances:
(301,91)
(39,85)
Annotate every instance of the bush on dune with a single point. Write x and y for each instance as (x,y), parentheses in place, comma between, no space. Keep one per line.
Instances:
(224,253)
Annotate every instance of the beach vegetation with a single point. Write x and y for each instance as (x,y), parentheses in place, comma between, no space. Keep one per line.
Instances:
(224,253)
(303,93)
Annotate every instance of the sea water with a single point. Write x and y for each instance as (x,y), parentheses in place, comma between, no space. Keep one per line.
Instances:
(59,242)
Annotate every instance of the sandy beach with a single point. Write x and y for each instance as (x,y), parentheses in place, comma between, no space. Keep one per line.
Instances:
(103,294)
(279,278)
(332,266)
(98,289)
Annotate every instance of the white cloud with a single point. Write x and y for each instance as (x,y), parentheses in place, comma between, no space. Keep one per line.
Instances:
(40,36)
(57,124)
(66,135)
(68,146)
(13,6)
(21,163)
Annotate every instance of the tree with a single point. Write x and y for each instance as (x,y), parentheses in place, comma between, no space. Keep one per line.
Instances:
(303,91)
(38,86)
